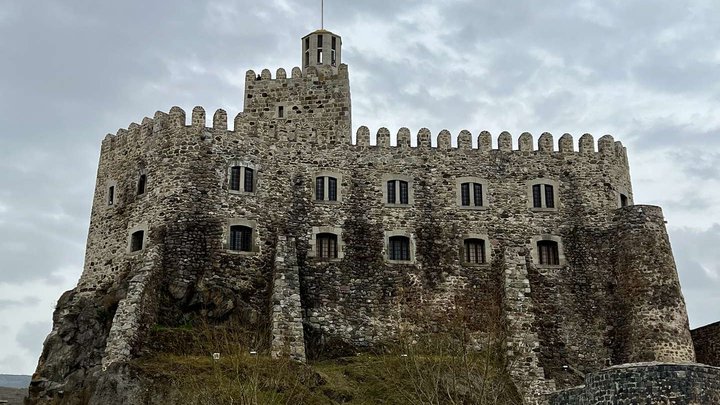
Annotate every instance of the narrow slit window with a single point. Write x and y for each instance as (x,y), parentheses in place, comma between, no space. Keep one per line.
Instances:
(477,194)
(111,195)
(326,244)
(549,196)
(141,184)
(399,248)
(235,174)
(332,189)
(307,58)
(548,252)
(623,200)
(404,196)
(241,238)
(136,241)
(475,251)
(319,56)
(307,43)
(465,194)
(391,192)
(334,43)
(249,179)
(320,188)
(320,41)
(281,111)
(333,57)
(537,199)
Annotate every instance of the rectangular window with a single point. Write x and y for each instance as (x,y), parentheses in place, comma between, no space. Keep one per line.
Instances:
(141,184)
(465,194)
(404,197)
(248,184)
(320,41)
(111,195)
(475,251)
(235,173)
(537,201)
(307,58)
(320,188)
(307,43)
(391,192)
(136,241)
(333,57)
(549,196)
(477,194)
(399,248)
(334,43)
(241,238)
(319,57)
(548,252)
(332,189)
(623,200)
(281,111)
(326,246)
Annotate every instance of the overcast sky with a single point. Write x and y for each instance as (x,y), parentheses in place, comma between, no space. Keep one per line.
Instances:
(74,70)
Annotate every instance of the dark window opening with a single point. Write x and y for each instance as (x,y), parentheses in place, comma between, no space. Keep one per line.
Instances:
(537,201)
(307,58)
(404,197)
(241,238)
(320,188)
(281,111)
(136,241)
(319,56)
(391,192)
(477,194)
(465,194)
(111,195)
(249,178)
(475,251)
(548,252)
(326,244)
(549,196)
(623,200)
(320,41)
(399,248)
(141,184)
(332,189)
(307,43)
(333,57)
(235,173)
(334,43)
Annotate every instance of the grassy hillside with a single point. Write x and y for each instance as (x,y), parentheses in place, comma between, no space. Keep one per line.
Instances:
(436,370)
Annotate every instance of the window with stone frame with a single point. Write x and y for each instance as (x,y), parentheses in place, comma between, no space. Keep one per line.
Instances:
(242,179)
(240,238)
(548,253)
(142,183)
(398,192)
(543,194)
(326,188)
(474,251)
(623,200)
(399,248)
(326,246)
(111,195)
(471,194)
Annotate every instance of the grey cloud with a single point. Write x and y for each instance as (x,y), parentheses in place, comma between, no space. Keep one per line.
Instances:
(32,335)
(21,303)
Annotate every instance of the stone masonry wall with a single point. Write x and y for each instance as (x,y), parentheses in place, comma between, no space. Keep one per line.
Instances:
(646,383)
(556,320)
(706,340)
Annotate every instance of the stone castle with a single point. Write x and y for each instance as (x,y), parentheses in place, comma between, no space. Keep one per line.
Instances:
(284,224)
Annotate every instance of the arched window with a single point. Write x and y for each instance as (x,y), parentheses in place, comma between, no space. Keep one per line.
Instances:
(548,252)
(326,245)
(240,238)
(474,251)
(543,194)
(399,248)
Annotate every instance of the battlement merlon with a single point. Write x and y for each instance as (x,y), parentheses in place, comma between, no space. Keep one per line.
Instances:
(176,118)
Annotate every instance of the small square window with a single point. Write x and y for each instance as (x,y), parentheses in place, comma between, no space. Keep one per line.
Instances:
(474,250)
(327,246)
(548,252)
(399,248)
(241,238)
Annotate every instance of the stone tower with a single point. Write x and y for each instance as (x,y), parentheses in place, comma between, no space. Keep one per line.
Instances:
(321,48)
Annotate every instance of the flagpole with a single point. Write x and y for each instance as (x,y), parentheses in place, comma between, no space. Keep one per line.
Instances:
(322,14)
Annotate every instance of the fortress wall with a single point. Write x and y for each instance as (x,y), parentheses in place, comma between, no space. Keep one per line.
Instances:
(706,341)
(648,383)
(652,319)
